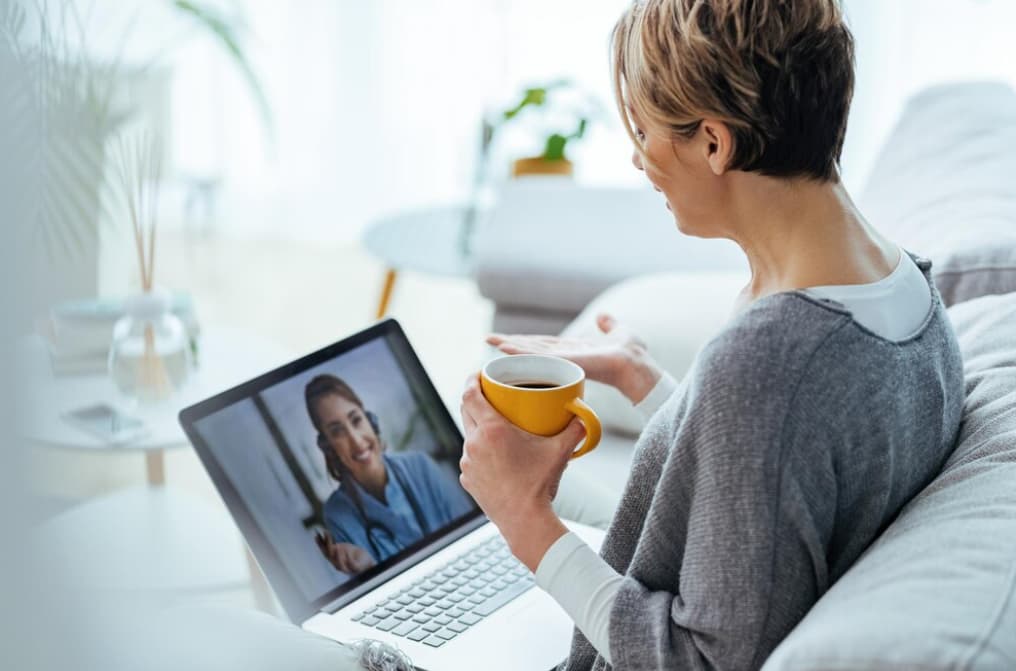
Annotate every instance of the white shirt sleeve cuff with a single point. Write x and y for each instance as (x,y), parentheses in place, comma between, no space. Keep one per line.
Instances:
(655,399)
(584,585)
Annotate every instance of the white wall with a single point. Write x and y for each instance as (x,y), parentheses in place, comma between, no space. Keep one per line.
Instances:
(376,104)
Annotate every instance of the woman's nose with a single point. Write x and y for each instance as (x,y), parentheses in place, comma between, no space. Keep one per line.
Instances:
(636,160)
(362,440)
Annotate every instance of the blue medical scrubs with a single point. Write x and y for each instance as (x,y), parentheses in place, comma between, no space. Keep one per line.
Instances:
(395,526)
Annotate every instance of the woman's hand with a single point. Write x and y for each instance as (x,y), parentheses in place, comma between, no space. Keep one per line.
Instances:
(513,475)
(620,359)
(345,557)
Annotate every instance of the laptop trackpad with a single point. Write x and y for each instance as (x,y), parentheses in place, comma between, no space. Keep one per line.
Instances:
(539,634)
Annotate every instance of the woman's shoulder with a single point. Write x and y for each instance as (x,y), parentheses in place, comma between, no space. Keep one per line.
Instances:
(787,340)
(771,339)
(338,503)
(411,458)
(412,462)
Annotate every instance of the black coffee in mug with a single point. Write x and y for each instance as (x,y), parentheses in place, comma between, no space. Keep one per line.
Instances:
(535,385)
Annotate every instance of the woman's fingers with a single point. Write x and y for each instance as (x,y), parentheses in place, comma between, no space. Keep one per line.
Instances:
(605,322)
(475,404)
(572,434)
(468,423)
(350,558)
(339,559)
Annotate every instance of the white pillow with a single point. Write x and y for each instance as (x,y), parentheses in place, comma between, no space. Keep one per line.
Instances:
(943,187)
(674,313)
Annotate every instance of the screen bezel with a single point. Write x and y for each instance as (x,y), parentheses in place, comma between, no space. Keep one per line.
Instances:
(298,608)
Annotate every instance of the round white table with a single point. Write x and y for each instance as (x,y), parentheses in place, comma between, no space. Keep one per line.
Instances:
(155,538)
(147,539)
(432,240)
(227,356)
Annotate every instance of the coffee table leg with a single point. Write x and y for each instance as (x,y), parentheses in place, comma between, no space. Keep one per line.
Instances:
(386,292)
(155,467)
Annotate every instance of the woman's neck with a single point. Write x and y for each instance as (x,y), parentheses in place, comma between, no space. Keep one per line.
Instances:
(801,233)
(374,483)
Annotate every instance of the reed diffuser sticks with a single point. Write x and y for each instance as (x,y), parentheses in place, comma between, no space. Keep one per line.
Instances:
(140,176)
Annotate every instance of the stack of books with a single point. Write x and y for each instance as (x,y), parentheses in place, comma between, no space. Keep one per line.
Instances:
(79,333)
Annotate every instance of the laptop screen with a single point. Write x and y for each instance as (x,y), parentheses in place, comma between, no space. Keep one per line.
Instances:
(337,466)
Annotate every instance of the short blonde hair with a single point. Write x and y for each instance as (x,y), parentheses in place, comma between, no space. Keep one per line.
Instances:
(779,73)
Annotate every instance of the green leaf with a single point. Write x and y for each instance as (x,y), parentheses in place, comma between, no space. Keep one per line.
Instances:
(532,96)
(554,150)
(580,131)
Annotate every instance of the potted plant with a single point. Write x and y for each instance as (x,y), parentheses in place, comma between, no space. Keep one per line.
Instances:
(566,112)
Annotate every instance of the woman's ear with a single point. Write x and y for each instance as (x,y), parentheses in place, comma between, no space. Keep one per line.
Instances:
(717,145)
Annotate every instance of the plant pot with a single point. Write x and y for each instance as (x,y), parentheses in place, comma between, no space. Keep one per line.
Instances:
(537,165)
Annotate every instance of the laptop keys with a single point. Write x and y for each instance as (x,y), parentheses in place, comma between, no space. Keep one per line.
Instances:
(501,598)
(405,628)
(469,619)
(387,625)
(446,603)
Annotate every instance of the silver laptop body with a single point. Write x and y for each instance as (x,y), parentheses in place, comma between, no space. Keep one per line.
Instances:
(444,588)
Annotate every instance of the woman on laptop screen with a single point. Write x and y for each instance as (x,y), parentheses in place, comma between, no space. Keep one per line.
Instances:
(385,502)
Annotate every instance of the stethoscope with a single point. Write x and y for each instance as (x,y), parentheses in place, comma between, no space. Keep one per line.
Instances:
(372,526)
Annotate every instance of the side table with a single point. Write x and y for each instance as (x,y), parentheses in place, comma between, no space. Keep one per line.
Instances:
(227,357)
(429,240)
(153,540)
(147,537)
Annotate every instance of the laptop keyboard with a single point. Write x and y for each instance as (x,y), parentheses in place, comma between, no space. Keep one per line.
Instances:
(450,600)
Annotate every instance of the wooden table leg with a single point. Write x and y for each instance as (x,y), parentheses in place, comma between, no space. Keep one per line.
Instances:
(386,292)
(155,467)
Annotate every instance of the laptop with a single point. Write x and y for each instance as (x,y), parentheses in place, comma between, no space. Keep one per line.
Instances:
(341,471)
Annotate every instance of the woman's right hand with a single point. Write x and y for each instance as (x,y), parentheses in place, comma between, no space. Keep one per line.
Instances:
(620,359)
(345,557)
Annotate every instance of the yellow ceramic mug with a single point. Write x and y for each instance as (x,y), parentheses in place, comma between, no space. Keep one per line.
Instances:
(540,394)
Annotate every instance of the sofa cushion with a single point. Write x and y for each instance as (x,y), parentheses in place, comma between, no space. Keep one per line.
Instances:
(703,303)
(551,245)
(943,187)
(938,589)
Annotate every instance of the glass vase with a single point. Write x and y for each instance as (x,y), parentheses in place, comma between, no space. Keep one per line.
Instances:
(149,359)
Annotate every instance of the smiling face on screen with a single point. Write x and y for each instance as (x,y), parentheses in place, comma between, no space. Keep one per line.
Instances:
(350,436)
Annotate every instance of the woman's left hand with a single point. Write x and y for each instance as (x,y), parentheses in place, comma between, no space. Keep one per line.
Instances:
(513,475)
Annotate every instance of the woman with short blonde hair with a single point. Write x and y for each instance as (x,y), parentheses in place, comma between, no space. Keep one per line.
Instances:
(831,397)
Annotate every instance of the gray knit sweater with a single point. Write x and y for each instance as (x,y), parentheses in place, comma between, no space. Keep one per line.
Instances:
(792,442)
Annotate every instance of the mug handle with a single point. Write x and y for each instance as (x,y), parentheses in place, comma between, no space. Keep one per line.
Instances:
(590,421)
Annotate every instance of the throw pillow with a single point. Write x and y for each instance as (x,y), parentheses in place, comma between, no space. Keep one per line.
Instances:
(943,187)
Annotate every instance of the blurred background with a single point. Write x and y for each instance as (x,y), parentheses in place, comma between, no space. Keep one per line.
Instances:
(305,168)
(376,107)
